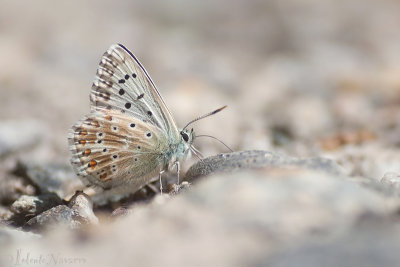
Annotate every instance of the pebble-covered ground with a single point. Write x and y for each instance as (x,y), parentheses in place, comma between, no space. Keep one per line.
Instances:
(313,95)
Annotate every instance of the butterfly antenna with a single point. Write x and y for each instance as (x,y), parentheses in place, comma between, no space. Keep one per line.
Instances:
(204,116)
(210,136)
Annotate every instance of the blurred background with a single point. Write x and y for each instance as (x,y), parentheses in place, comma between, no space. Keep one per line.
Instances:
(301,77)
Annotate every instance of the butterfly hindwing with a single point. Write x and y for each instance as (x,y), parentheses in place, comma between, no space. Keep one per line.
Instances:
(109,150)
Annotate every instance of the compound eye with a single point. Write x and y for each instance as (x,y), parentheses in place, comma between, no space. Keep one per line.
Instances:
(185,136)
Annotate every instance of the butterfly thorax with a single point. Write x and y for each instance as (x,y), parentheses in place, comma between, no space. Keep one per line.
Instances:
(178,151)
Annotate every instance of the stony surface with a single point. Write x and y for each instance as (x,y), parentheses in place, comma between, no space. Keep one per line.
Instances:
(34,204)
(245,218)
(82,208)
(30,206)
(59,216)
(12,187)
(59,179)
(174,189)
(392,179)
(233,162)
(313,83)
(9,236)
(77,213)
(347,250)
(5,215)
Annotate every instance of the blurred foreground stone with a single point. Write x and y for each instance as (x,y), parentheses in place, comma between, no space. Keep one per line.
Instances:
(243,218)
(373,243)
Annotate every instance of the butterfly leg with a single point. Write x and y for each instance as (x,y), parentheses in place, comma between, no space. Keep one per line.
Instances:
(178,169)
(159,177)
(196,152)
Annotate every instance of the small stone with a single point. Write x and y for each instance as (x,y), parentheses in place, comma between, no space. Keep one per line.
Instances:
(59,179)
(174,189)
(28,206)
(59,216)
(391,179)
(75,215)
(12,187)
(35,204)
(5,214)
(82,208)
(120,212)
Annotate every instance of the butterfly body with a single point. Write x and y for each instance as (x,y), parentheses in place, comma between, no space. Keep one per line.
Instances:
(129,137)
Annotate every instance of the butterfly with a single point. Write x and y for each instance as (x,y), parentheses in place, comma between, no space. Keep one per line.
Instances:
(129,137)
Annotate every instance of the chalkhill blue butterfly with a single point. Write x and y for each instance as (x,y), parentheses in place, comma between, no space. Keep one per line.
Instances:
(129,137)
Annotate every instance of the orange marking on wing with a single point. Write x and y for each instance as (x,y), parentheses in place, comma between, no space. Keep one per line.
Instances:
(96,124)
(82,133)
(82,142)
(108,117)
(87,152)
(92,164)
(103,176)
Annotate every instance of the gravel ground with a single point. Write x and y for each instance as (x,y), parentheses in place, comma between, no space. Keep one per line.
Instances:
(313,95)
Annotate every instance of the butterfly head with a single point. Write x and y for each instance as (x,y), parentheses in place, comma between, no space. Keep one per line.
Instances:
(187,136)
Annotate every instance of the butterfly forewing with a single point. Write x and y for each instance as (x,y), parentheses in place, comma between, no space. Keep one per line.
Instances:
(122,84)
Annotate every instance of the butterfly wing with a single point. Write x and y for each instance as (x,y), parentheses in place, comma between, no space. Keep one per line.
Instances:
(122,143)
(122,84)
(113,150)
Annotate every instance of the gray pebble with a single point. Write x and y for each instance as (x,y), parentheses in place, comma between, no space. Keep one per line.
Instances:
(59,179)
(5,215)
(59,216)
(78,213)
(174,189)
(12,187)
(29,206)
(82,207)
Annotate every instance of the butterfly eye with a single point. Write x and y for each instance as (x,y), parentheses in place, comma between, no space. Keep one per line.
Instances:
(185,136)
